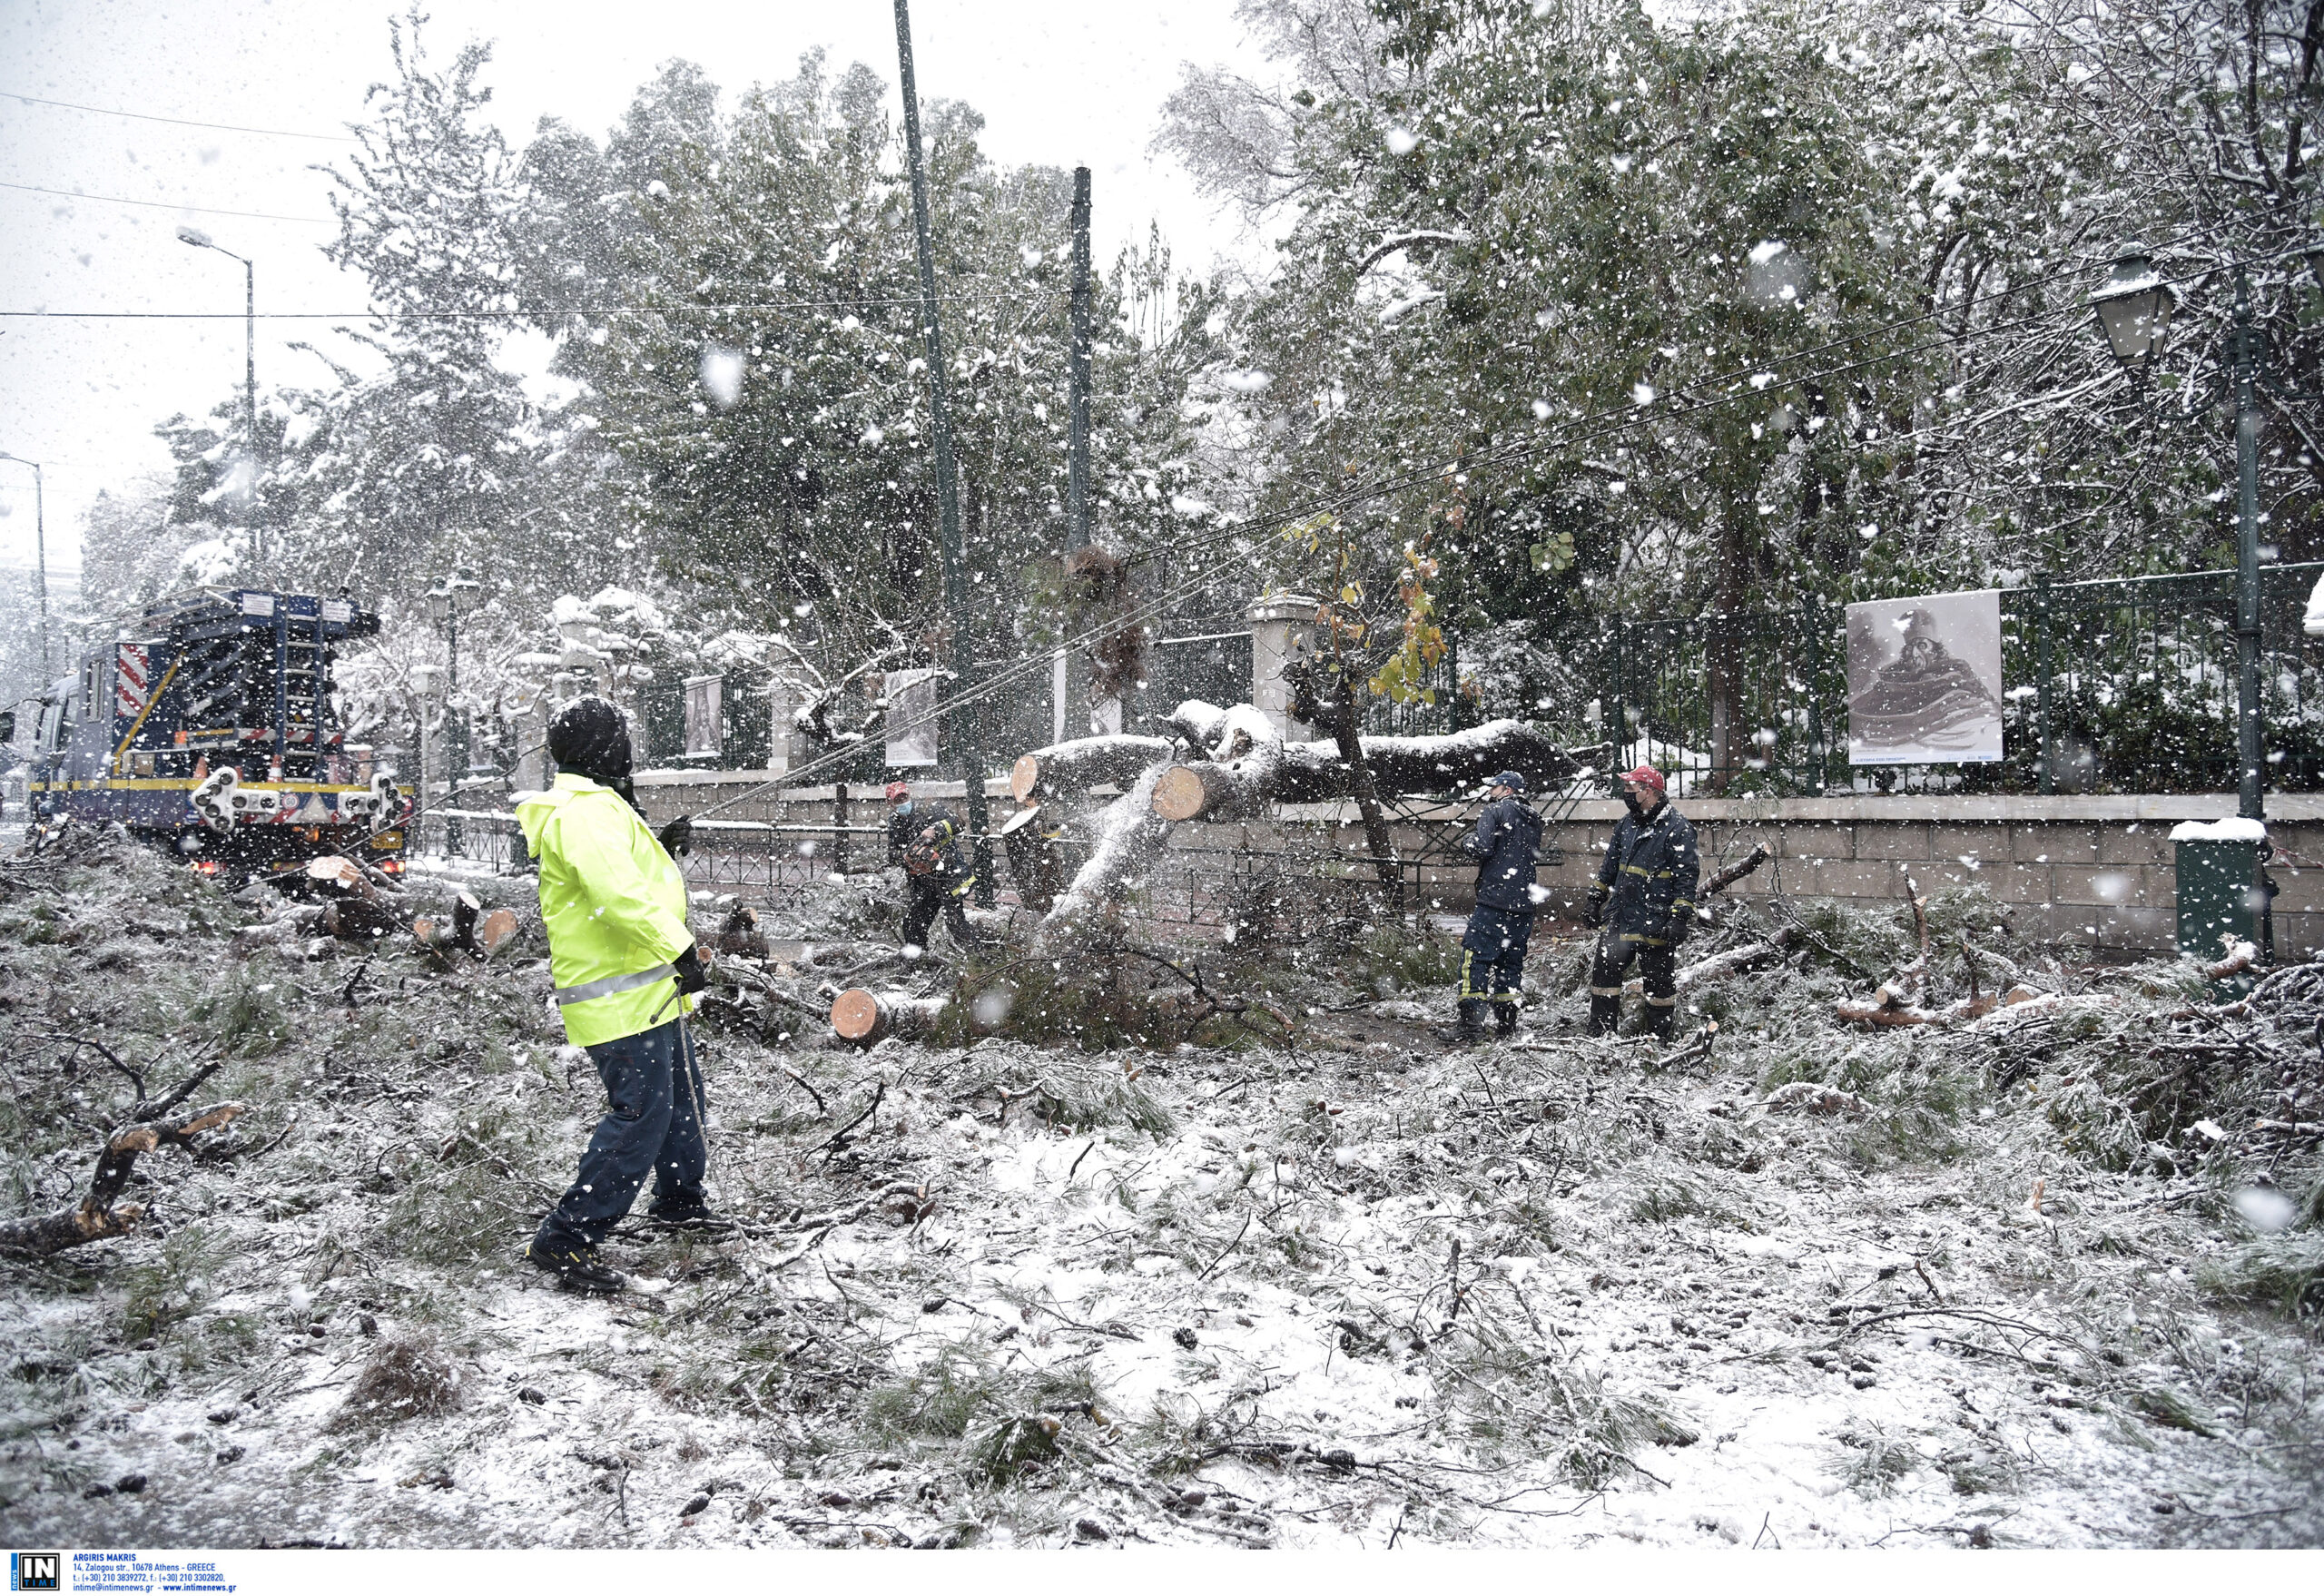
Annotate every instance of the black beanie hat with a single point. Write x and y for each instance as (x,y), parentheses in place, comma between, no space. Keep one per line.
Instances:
(590,737)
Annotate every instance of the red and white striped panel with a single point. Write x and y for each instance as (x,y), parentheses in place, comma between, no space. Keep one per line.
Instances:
(133,681)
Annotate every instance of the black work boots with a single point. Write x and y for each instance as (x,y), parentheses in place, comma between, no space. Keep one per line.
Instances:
(576,1269)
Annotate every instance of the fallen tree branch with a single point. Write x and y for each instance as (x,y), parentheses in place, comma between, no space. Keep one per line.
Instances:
(1244,774)
(2240,956)
(1733,962)
(100,1215)
(1736,872)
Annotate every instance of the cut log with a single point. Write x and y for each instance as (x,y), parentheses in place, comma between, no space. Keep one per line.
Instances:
(471,931)
(1314,773)
(864,1017)
(1184,792)
(98,1215)
(1063,769)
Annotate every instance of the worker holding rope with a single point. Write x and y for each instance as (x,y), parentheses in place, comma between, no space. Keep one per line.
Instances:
(622,963)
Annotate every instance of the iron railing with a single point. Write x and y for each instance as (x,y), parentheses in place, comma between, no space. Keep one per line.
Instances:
(2118,686)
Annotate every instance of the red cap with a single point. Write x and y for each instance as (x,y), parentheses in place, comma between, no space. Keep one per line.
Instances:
(1646,775)
(896,789)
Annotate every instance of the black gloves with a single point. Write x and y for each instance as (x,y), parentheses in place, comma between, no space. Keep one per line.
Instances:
(677,837)
(1594,915)
(1682,922)
(692,976)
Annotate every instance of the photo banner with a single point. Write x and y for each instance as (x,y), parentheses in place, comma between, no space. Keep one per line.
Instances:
(1925,679)
(912,698)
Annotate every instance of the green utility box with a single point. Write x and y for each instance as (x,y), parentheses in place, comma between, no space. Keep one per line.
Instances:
(2220,896)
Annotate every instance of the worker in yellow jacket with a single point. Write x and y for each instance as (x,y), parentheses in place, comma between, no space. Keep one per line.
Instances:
(622,963)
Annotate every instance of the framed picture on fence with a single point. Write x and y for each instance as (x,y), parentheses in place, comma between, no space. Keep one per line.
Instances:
(912,722)
(1925,679)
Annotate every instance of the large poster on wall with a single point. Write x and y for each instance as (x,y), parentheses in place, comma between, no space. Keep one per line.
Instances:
(912,719)
(1925,679)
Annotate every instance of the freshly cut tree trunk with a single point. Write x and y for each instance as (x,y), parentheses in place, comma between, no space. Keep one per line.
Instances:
(1127,834)
(1186,791)
(96,1216)
(1065,768)
(1314,773)
(860,1015)
(1244,766)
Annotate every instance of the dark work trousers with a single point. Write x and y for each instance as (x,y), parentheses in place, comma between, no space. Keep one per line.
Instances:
(653,1093)
(932,895)
(1492,955)
(1657,969)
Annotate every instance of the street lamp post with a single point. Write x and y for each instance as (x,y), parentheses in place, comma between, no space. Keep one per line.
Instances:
(203,241)
(40,560)
(445,602)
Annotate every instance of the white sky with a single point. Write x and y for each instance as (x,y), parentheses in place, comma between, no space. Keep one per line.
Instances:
(1058,82)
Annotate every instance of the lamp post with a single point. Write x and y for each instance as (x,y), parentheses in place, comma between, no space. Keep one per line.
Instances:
(203,241)
(40,560)
(2135,308)
(445,602)
(962,721)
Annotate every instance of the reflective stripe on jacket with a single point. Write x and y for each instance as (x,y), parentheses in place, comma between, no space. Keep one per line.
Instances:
(615,905)
(1652,867)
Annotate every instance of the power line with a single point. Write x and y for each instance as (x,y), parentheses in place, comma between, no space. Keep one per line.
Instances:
(170,205)
(272,133)
(522,315)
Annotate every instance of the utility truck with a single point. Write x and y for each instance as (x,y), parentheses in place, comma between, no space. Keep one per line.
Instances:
(207,727)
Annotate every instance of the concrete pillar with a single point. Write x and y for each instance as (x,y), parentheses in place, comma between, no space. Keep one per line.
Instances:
(786,747)
(428,682)
(528,724)
(1282,632)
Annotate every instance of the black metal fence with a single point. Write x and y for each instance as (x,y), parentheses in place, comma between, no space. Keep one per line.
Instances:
(2118,686)
(2109,686)
(1209,660)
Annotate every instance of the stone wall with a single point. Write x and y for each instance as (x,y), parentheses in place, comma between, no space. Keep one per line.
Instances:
(2091,871)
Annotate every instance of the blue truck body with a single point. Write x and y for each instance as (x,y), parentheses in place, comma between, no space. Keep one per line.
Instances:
(207,727)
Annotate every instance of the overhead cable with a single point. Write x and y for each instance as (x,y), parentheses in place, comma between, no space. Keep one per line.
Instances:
(272,133)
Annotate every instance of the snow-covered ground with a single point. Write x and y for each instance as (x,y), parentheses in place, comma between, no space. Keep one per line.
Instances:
(1358,1289)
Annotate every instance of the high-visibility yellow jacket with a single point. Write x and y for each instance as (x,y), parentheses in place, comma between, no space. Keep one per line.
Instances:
(615,905)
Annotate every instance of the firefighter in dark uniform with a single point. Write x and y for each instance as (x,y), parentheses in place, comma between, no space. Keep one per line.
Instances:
(925,839)
(1507,841)
(1642,905)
